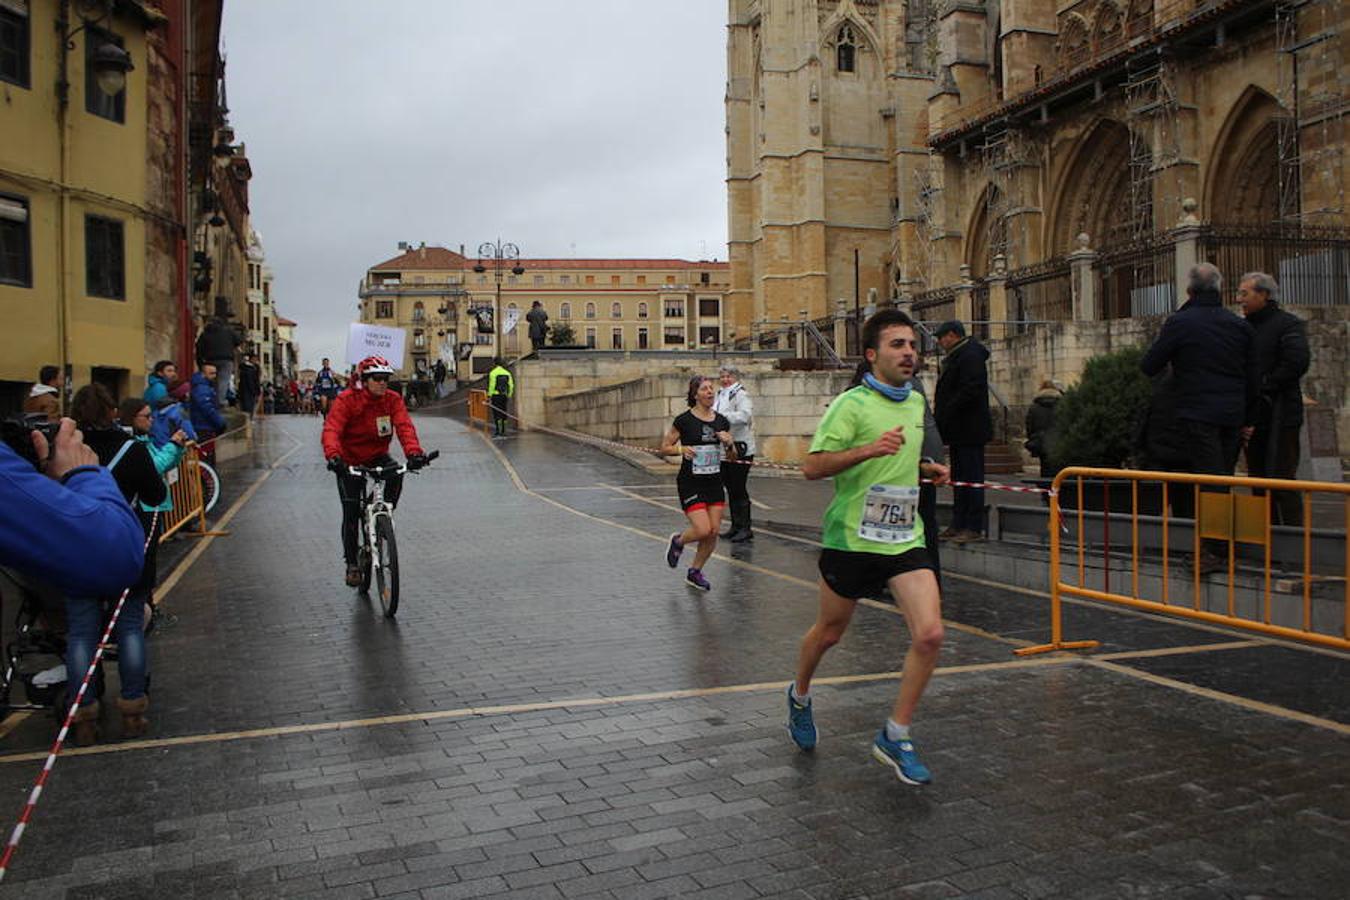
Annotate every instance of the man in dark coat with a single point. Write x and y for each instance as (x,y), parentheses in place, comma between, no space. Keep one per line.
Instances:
(1213,359)
(962,412)
(538,319)
(250,383)
(1282,359)
(216,345)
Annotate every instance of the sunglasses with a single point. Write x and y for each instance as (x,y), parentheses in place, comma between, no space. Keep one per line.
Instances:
(377,378)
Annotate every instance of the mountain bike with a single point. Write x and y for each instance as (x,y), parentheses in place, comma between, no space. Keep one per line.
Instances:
(379,550)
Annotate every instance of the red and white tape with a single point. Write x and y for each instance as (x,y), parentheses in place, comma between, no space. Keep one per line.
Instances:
(583,438)
(27,815)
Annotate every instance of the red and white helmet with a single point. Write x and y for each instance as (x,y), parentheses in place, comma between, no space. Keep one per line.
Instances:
(374,365)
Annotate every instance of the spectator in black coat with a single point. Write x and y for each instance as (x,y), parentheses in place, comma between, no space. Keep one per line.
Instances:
(216,345)
(1282,359)
(250,383)
(962,412)
(1213,357)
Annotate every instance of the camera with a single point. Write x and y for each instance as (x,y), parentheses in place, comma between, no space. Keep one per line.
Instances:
(17,432)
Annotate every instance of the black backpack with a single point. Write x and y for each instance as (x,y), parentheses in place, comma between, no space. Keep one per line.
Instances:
(501,384)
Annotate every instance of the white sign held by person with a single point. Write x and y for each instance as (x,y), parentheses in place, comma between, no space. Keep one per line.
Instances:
(509,320)
(372,340)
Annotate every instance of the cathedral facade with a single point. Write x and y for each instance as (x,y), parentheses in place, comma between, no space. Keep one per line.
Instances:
(1027,161)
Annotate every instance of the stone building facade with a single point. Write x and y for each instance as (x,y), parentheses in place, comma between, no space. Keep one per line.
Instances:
(610,304)
(1024,164)
(925,137)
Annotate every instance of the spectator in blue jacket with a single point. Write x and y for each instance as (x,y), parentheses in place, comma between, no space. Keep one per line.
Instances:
(69,524)
(206,415)
(168,418)
(162,377)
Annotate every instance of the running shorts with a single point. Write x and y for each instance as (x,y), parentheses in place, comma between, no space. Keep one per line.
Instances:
(699,492)
(855,575)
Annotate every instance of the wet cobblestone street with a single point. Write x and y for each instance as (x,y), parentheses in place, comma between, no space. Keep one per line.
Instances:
(555,714)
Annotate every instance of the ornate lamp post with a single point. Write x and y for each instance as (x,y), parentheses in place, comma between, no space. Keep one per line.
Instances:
(501,256)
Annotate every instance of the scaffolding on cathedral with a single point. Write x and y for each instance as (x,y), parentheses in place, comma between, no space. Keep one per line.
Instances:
(928,231)
(1311,129)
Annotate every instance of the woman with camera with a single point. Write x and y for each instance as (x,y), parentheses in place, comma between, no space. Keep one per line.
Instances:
(133,468)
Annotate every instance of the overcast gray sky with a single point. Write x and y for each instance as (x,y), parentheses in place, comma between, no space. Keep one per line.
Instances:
(587,128)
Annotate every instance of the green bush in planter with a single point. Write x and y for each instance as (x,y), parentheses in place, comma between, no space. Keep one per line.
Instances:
(560,334)
(1095,420)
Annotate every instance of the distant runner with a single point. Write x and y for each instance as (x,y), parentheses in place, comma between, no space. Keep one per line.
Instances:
(703,438)
(325,387)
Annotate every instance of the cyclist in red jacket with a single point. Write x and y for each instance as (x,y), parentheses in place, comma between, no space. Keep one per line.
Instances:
(361,422)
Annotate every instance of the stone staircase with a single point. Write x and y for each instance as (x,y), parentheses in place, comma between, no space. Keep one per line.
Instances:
(1002,459)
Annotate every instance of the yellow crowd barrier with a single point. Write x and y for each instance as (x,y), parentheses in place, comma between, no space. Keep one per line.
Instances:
(189,504)
(478,407)
(1234,510)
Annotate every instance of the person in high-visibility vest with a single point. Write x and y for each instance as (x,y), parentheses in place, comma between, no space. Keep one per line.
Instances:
(501,386)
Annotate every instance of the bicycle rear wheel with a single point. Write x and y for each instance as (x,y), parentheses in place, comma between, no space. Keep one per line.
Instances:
(210,485)
(386,565)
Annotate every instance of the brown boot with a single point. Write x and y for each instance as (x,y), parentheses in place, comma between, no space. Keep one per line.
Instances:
(134,722)
(84,728)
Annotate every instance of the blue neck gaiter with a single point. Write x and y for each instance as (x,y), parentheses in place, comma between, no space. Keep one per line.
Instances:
(898,394)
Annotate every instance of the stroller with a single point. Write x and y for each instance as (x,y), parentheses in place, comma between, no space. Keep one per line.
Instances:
(35,648)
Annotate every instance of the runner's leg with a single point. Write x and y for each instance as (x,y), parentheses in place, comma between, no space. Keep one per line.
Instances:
(920,601)
(831,622)
(708,542)
(698,527)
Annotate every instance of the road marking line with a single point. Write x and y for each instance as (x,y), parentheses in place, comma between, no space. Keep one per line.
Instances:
(518,708)
(1175,651)
(1162,618)
(1245,702)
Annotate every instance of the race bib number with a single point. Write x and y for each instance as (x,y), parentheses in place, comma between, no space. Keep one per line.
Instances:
(383,426)
(707,459)
(888,514)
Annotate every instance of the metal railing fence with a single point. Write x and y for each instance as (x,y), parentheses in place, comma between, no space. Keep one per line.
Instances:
(1305,602)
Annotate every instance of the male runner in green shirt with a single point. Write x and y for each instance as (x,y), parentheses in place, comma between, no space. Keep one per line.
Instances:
(869,441)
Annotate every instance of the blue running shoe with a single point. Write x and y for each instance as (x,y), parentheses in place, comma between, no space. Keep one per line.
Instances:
(694,578)
(674,550)
(902,757)
(801,724)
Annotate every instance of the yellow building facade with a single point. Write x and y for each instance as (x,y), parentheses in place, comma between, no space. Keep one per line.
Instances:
(72,199)
(609,304)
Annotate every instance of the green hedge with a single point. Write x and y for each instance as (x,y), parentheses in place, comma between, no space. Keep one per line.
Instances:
(1095,421)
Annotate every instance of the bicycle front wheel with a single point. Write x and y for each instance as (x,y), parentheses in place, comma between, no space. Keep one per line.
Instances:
(386,565)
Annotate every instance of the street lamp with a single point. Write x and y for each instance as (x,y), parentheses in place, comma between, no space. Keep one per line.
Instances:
(502,256)
(109,62)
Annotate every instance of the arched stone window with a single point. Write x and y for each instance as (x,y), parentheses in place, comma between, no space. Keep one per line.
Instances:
(590,310)
(845,49)
(565,311)
(419,312)
(642,310)
(616,311)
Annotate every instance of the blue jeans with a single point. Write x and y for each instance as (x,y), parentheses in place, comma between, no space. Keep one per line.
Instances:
(84,617)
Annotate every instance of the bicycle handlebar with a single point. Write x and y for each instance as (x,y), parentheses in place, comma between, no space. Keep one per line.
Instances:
(396,469)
